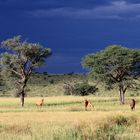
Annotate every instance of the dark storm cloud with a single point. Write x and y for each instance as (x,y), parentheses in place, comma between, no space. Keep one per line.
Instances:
(71,28)
(48,4)
(80,9)
(112,10)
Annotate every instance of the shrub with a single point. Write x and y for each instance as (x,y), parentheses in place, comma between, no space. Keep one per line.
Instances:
(45,73)
(81,89)
(51,81)
(84,89)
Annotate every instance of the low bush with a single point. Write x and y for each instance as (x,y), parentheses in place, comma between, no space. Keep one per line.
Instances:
(81,89)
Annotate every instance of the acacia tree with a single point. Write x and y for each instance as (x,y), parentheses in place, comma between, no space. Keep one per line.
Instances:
(20,60)
(115,65)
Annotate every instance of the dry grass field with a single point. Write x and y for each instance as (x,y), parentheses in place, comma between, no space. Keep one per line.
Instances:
(64,118)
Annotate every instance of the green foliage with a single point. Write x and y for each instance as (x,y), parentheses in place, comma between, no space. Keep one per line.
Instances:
(84,89)
(115,65)
(20,59)
(81,89)
(40,84)
(22,55)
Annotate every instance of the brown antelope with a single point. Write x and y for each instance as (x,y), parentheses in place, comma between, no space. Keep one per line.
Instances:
(132,103)
(40,102)
(88,104)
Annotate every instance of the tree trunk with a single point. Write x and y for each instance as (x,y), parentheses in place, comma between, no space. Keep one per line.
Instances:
(21,84)
(22,98)
(122,91)
(120,95)
(22,93)
(123,98)
(21,88)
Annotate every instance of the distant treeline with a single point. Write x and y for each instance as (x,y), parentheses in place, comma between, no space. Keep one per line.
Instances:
(42,80)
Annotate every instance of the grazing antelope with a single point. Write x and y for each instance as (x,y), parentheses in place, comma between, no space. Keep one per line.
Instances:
(132,103)
(88,104)
(40,102)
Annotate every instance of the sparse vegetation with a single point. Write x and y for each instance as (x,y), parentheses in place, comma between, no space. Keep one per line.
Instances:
(38,86)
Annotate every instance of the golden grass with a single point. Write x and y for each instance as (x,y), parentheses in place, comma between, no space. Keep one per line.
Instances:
(64,118)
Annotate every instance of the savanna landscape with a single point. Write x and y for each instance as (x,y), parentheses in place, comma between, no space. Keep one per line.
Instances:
(64,116)
(102,104)
(69,70)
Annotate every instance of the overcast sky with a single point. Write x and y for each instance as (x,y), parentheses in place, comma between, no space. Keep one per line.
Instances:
(71,28)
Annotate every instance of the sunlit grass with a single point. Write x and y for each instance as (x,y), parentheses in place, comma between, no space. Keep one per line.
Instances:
(64,117)
(65,103)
